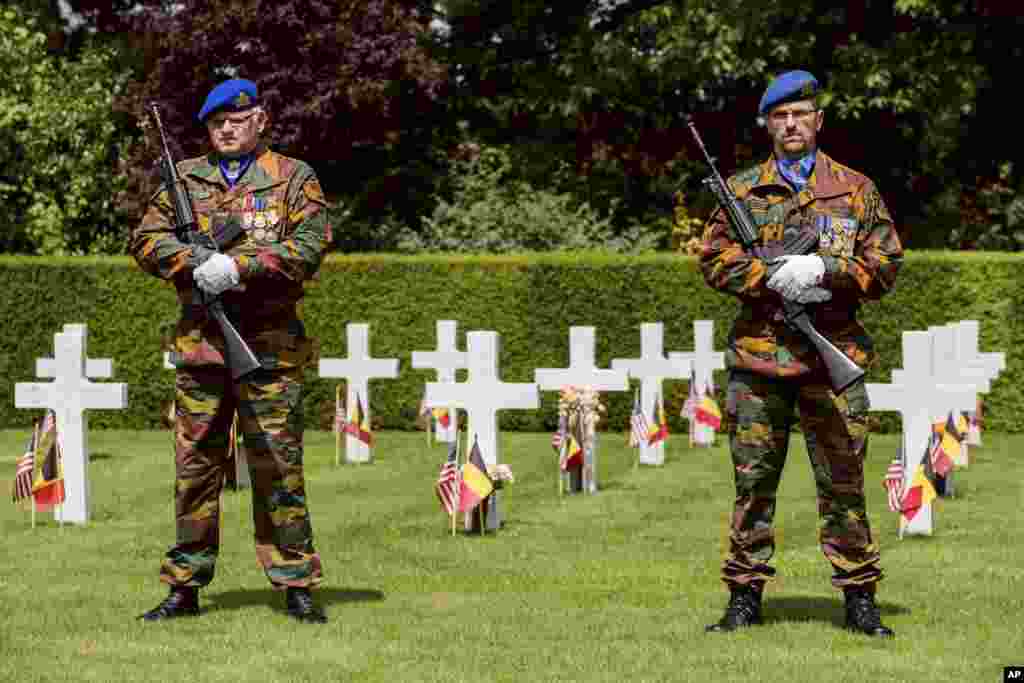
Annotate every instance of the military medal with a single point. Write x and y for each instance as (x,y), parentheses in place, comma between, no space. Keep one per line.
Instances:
(247,212)
(260,219)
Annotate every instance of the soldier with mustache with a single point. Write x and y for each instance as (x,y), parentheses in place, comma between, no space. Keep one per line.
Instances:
(774,371)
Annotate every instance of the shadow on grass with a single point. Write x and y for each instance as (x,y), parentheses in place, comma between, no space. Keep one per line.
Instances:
(325,597)
(828,610)
(100,455)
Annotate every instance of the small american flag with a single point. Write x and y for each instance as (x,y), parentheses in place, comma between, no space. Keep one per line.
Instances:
(894,482)
(559,436)
(447,481)
(689,410)
(339,412)
(638,424)
(25,466)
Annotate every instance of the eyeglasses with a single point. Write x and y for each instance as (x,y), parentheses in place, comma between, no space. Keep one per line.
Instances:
(799,115)
(235,121)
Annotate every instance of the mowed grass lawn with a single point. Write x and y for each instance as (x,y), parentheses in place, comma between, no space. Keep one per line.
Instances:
(612,587)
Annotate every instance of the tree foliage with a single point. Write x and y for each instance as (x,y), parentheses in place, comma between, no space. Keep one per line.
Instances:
(910,89)
(59,144)
(378,95)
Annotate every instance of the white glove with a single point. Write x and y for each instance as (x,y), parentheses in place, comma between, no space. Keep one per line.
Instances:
(796,274)
(218,274)
(812,295)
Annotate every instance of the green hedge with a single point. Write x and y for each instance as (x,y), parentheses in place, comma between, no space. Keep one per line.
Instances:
(531,300)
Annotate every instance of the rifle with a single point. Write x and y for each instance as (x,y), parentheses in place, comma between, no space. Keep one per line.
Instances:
(240,358)
(842,372)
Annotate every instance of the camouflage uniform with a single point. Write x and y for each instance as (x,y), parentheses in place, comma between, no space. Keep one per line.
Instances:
(281,207)
(773,369)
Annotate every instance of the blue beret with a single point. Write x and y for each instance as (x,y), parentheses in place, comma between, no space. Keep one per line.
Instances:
(792,85)
(238,94)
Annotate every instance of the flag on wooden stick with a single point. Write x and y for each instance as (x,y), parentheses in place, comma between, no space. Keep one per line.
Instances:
(358,425)
(638,426)
(48,486)
(446,486)
(658,430)
(689,409)
(894,482)
(707,412)
(476,485)
(918,494)
(24,468)
(339,412)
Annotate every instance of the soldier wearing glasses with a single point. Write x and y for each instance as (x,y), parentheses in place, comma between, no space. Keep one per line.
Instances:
(773,370)
(278,202)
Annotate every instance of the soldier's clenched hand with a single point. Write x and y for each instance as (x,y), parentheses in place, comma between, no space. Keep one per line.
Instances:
(218,274)
(797,274)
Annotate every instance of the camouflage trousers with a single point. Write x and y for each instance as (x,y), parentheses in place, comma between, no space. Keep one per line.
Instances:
(760,412)
(269,407)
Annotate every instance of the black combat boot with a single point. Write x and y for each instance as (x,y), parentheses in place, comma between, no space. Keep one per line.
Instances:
(744,608)
(183,601)
(301,606)
(862,612)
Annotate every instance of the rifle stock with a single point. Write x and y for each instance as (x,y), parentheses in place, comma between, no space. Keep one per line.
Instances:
(238,356)
(842,372)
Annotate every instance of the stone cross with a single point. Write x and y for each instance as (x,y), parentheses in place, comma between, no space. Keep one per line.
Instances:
(651,368)
(482,395)
(705,361)
(242,478)
(582,371)
(358,369)
(967,353)
(944,368)
(70,395)
(445,359)
(967,349)
(918,396)
(947,363)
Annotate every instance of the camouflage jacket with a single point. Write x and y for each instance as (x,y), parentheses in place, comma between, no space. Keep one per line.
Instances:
(857,241)
(279,204)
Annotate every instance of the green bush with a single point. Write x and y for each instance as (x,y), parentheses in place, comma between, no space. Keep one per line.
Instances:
(494,212)
(531,300)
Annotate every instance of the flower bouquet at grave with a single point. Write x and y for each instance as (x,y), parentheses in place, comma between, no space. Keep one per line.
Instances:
(579,411)
(500,476)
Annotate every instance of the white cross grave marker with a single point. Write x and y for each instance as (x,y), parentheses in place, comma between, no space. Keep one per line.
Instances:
(651,368)
(967,353)
(946,364)
(918,396)
(582,372)
(945,369)
(482,395)
(242,478)
(705,361)
(445,359)
(358,369)
(967,339)
(70,395)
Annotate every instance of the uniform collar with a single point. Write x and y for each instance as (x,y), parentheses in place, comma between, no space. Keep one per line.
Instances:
(259,175)
(822,183)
